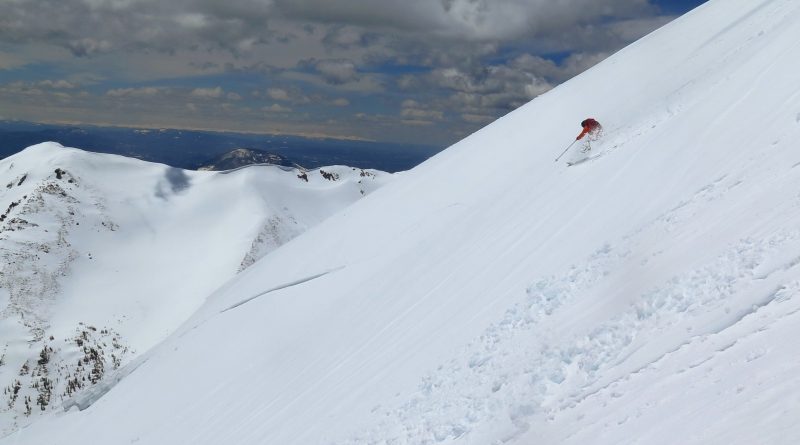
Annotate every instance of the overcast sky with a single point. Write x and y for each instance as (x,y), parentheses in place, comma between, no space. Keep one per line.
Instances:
(423,71)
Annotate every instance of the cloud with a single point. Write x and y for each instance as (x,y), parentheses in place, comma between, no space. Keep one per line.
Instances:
(477,118)
(420,114)
(192,20)
(461,63)
(346,37)
(8,61)
(292,95)
(22,89)
(278,94)
(207,93)
(163,98)
(277,108)
(57,84)
(86,47)
(42,85)
(496,89)
(474,20)
(135,92)
(413,109)
(334,71)
(92,27)
(414,113)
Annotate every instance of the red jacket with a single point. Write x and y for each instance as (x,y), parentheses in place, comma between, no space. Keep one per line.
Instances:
(588,125)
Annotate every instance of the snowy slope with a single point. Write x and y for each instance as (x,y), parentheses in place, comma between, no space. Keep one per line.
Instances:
(648,296)
(104,256)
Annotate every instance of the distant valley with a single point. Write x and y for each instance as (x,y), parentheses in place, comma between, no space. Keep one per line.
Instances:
(191,150)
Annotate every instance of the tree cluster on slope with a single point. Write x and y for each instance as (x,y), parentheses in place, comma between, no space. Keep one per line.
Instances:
(56,374)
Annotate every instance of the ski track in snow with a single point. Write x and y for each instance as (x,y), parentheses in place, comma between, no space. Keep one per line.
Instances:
(509,376)
(683,360)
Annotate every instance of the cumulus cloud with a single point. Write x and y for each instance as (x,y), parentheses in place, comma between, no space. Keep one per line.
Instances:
(420,114)
(346,37)
(88,28)
(474,20)
(415,113)
(334,71)
(462,62)
(135,92)
(278,94)
(58,84)
(41,85)
(291,95)
(22,89)
(208,93)
(88,46)
(277,108)
(494,89)
(477,118)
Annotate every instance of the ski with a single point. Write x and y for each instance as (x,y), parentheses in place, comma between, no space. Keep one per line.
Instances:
(586,159)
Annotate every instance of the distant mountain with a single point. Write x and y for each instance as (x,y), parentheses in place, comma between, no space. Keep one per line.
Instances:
(241,157)
(103,256)
(190,149)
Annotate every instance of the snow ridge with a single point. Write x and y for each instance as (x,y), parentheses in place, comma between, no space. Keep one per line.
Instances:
(81,238)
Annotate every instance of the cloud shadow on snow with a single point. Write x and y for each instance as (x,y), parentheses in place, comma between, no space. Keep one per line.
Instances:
(176,182)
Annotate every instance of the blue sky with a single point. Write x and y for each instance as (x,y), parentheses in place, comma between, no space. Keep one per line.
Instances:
(422,71)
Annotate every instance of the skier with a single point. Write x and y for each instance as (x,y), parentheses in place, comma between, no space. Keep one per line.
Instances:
(591,127)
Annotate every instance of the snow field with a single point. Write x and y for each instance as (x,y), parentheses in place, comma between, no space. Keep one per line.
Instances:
(492,296)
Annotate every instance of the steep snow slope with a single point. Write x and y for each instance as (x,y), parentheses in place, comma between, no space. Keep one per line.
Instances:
(103,256)
(649,296)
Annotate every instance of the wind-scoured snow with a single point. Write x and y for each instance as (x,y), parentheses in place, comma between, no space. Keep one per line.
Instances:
(104,256)
(493,296)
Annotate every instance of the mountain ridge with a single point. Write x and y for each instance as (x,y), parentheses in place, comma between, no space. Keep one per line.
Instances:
(644,297)
(101,255)
(241,157)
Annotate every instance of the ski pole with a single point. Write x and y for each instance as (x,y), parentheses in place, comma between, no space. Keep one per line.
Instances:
(565,150)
